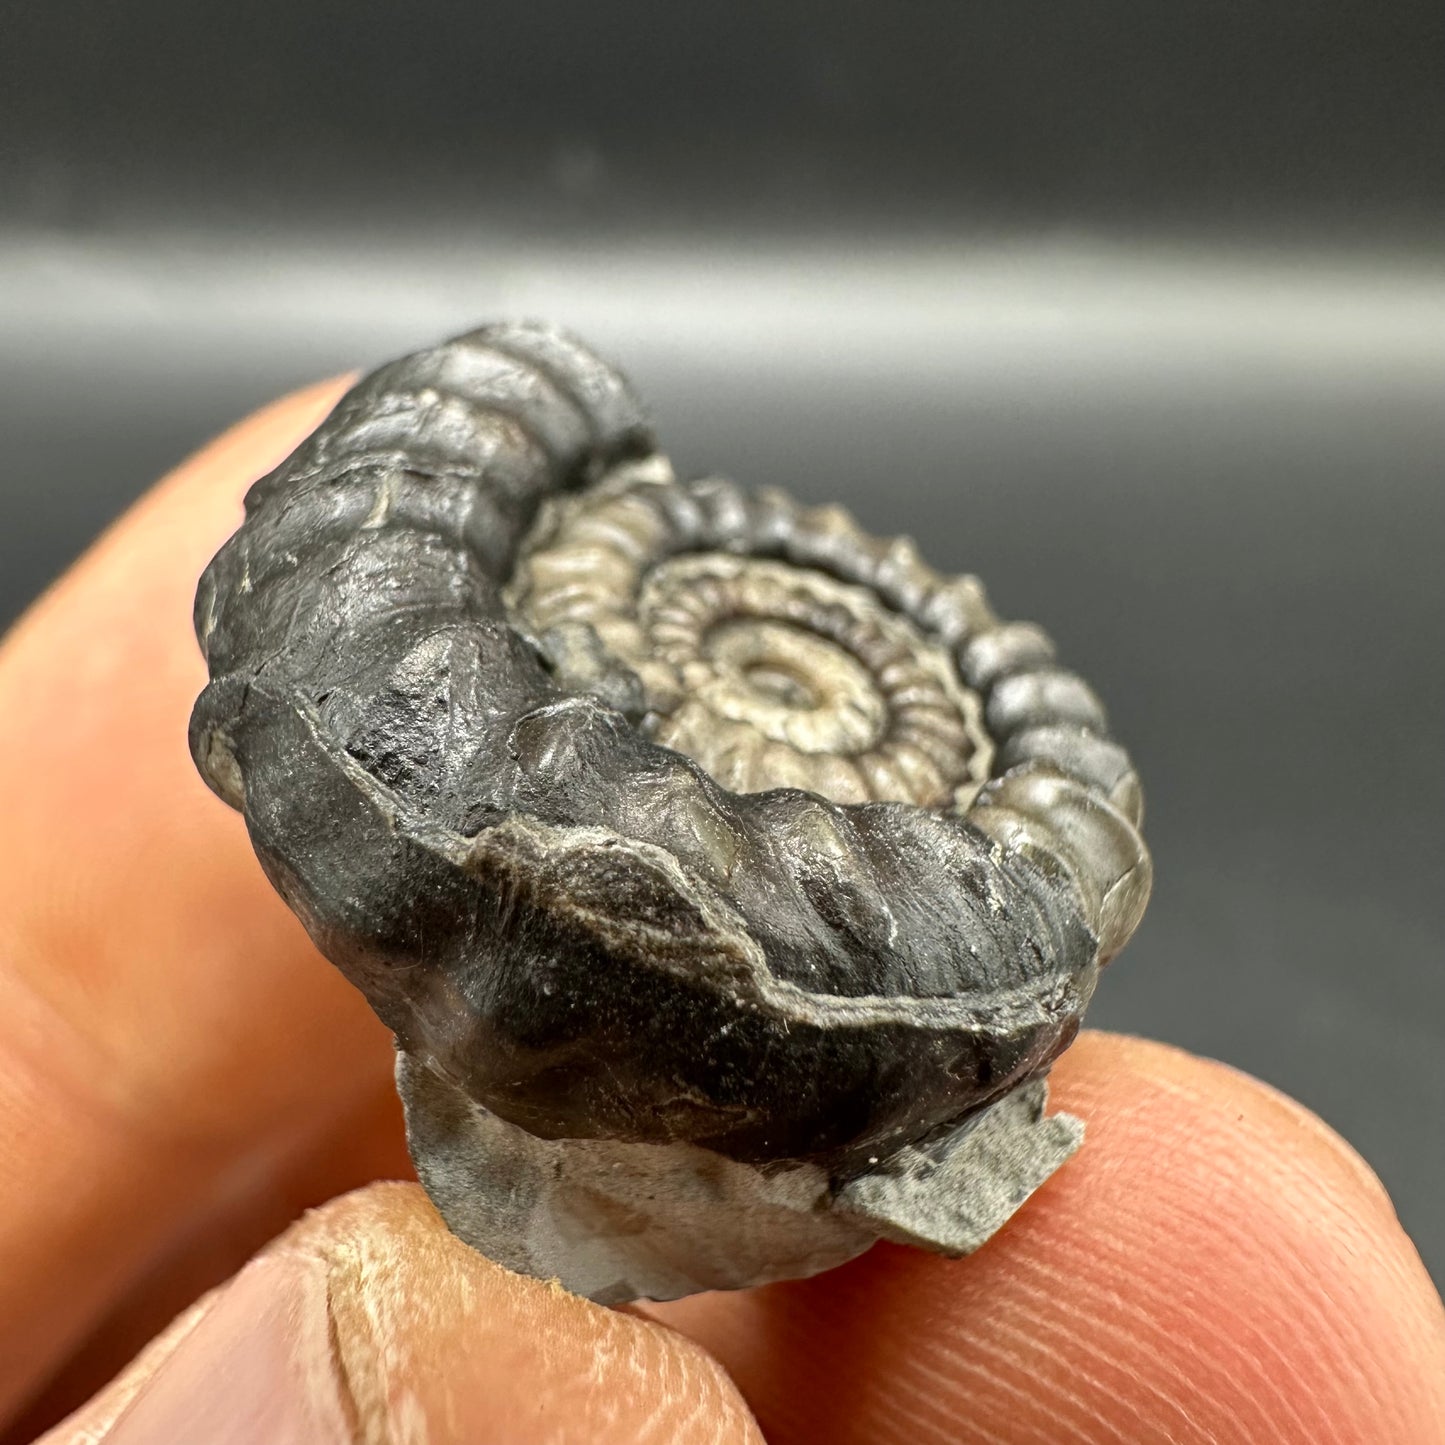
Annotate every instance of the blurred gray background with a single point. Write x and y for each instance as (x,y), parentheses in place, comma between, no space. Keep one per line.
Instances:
(1137,310)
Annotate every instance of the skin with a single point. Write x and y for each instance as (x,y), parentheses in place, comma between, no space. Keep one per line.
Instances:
(181,1075)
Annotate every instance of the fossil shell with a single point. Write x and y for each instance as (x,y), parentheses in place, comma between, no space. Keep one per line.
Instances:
(651,812)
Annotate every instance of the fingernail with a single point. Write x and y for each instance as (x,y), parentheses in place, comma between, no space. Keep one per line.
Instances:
(257,1370)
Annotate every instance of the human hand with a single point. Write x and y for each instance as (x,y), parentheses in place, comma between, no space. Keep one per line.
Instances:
(181,1074)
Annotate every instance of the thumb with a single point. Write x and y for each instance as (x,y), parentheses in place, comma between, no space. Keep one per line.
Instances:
(369,1322)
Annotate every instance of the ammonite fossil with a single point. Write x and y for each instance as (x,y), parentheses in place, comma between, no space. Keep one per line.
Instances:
(729,877)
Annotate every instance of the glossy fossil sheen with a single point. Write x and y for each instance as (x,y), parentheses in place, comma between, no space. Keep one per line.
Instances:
(652,812)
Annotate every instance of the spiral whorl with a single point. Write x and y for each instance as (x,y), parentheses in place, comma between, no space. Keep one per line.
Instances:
(653,811)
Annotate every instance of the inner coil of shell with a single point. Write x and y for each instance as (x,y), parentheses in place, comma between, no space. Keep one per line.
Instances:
(770,673)
(650,810)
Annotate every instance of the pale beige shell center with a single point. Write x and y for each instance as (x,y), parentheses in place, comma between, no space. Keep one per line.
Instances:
(746,641)
(767,674)
(793,686)
(777,676)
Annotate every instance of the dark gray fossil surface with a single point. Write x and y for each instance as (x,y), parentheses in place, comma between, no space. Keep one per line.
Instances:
(729,877)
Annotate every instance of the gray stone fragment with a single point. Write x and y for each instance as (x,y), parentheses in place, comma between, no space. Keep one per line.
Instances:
(618,1221)
(952,1194)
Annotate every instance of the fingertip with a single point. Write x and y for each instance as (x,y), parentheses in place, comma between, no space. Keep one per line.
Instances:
(1105,1073)
(496,1355)
(369,1320)
(1244,1265)
(1215,1265)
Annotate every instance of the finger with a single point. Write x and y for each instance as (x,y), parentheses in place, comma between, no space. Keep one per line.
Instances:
(167,1034)
(365,1144)
(369,1321)
(1214,1266)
